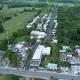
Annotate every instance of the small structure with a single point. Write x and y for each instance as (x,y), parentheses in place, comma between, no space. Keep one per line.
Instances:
(51,66)
(46,51)
(75,69)
(63,55)
(55,41)
(34,20)
(65,47)
(29,25)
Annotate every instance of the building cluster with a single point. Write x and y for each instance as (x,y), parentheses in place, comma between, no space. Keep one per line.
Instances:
(42,26)
(29,25)
(38,35)
(73,57)
(20,49)
(40,52)
(54,37)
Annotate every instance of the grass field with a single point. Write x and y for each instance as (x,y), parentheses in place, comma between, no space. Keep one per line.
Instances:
(16,23)
(8,77)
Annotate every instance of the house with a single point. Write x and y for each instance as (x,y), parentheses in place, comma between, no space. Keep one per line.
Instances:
(38,34)
(51,66)
(65,47)
(63,55)
(29,25)
(45,15)
(69,56)
(39,26)
(55,41)
(56,24)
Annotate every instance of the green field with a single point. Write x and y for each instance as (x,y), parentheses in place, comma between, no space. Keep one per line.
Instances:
(9,77)
(16,23)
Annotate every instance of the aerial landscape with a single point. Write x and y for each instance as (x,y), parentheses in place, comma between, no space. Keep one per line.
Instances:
(39,39)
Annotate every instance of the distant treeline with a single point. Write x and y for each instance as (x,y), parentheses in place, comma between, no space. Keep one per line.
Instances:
(65,1)
(69,25)
(22,1)
(19,4)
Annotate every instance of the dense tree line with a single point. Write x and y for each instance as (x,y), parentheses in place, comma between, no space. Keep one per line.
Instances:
(64,1)
(20,4)
(69,25)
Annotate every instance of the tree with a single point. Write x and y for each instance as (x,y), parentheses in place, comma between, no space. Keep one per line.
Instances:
(1,28)
(33,41)
(12,57)
(11,77)
(3,44)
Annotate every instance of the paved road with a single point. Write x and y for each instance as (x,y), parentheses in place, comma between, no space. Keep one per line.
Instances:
(27,62)
(51,25)
(38,74)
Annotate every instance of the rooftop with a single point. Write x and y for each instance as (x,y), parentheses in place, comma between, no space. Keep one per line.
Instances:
(38,52)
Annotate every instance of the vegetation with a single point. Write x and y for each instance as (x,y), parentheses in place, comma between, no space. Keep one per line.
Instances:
(13,58)
(69,26)
(1,28)
(10,77)
(54,57)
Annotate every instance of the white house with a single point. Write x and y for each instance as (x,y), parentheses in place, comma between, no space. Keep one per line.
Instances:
(55,41)
(51,66)
(65,47)
(29,25)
